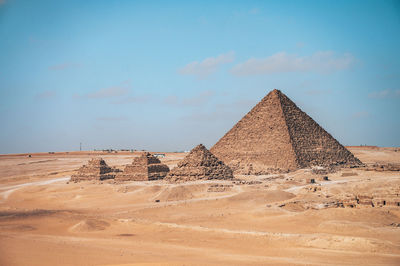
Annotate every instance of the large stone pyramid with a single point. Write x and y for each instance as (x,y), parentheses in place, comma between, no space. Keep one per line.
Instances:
(143,168)
(96,169)
(199,164)
(276,136)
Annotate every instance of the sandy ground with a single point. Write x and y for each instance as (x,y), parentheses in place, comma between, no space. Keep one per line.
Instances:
(274,219)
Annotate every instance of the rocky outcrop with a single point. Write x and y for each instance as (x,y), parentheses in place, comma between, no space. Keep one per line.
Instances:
(143,168)
(96,169)
(276,136)
(199,164)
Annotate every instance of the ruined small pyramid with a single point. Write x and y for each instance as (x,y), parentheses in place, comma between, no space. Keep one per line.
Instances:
(276,136)
(143,168)
(96,169)
(199,164)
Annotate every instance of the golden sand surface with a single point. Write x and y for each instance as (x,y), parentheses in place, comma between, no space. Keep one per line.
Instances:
(253,220)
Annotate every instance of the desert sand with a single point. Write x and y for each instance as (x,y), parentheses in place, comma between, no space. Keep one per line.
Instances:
(251,220)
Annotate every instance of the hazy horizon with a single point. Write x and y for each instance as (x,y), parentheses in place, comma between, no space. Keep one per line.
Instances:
(168,76)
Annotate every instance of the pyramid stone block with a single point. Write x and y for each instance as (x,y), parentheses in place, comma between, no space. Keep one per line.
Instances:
(143,168)
(199,164)
(276,136)
(96,169)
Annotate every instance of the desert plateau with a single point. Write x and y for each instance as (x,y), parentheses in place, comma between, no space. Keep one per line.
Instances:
(251,220)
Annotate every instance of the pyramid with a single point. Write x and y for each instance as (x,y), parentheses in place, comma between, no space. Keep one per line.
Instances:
(199,164)
(143,168)
(96,169)
(276,136)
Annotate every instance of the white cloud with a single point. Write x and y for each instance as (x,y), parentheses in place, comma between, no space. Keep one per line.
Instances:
(206,67)
(387,93)
(322,61)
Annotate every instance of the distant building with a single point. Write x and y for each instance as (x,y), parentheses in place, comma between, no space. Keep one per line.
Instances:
(159,155)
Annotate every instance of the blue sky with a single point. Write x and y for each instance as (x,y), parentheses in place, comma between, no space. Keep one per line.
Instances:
(167,75)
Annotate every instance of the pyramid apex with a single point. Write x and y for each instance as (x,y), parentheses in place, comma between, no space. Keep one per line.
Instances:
(201,145)
(275,91)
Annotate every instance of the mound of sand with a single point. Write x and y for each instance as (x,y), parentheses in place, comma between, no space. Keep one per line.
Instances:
(90,225)
(182,192)
(261,197)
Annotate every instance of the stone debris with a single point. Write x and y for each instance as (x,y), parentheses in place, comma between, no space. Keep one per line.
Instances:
(277,137)
(313,188)
(383,167)
(143,168)
(244,182)
(96,169)
(219,188)
(348,174)
(271,178)
(379,198)
(199,164)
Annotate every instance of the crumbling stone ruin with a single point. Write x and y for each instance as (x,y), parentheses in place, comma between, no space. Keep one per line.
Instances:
(276,136)
(143,168)
(199,164)
(96,169)
(392,200)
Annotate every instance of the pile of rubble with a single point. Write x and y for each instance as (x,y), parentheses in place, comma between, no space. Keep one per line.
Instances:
(219,188)
(383,167)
